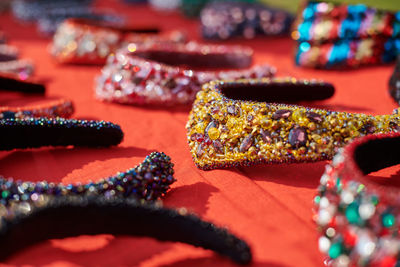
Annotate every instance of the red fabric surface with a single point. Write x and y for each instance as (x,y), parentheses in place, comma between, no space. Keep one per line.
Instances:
(268,206)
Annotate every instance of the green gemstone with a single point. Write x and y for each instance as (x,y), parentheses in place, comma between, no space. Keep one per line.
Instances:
(374,200)
(5,194)
(335,250)
(338,184)
(388,220)
(360,188)
(317,199)
(352,214)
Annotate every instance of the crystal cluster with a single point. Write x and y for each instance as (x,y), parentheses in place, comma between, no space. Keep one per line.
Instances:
(337,35)
(59,108)
(127,78)
(80,42)
(223,132)
(358,222)
(223,20)
(148,181)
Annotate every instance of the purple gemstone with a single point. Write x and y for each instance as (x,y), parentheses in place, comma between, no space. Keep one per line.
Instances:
(218,146)
(394,126)
(266,136)
(246,144)
(298,137)
(250,117)
(200,151)
(148,176)
(281,114)
(369,128)
(315,117)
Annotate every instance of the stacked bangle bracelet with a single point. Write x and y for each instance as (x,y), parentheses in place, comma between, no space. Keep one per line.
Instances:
(358,215)
(166,74)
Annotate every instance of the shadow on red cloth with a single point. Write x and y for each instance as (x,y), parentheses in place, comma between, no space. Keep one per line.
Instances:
(75,157)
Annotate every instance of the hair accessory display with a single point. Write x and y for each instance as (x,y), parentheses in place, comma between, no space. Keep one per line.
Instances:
(338,35)
(230,124)
(223,20)
(394,83)
(81,41)
(357,215)
(57,216)
(117,201)
(166,74)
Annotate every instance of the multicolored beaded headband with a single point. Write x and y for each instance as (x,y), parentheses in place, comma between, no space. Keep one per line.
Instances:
(347,53)
(80,41)
(223,20)
(326,21)
(162,74)
(357,215)
(394,83)
(117,201)
(230,125)
(337,36)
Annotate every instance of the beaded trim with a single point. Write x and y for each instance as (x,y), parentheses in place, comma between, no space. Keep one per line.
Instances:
(57,108)
(223,132)
(148,181)
(129,79)
(223,20)
(358,218)
(80,41)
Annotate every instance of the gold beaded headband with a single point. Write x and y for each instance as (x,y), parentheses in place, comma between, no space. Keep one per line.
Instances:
(230,126)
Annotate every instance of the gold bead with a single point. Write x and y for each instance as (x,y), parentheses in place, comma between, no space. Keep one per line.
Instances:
(213,133)
(312,126)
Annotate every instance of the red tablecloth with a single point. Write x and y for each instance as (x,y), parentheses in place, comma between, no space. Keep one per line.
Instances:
(268,206)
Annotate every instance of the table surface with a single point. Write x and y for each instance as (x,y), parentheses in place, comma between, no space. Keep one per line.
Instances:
(270,206)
